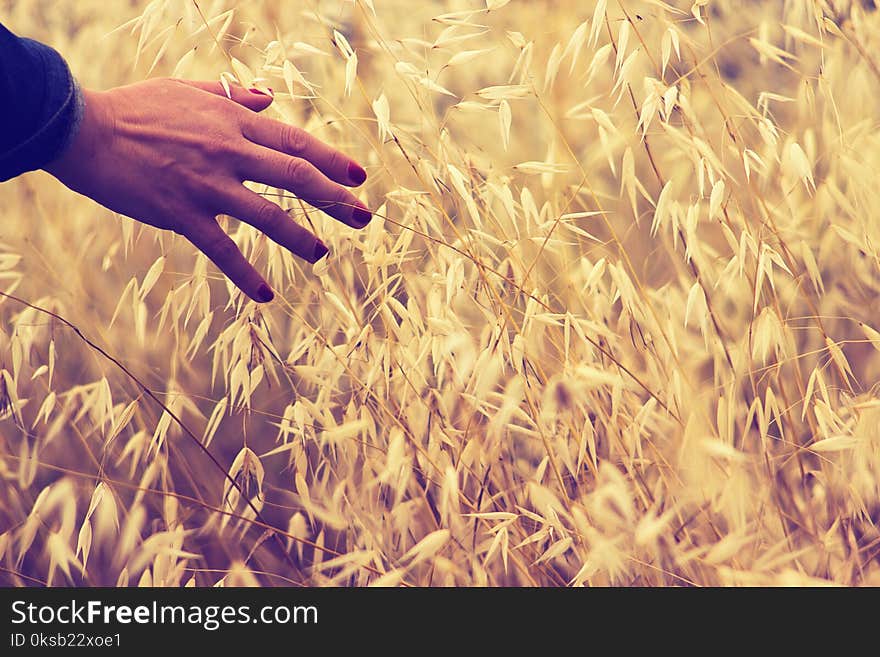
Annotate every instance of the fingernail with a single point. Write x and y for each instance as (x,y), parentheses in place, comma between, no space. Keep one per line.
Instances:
(320,251)
(361,217)
(254,90)
(265,294)
(356,174)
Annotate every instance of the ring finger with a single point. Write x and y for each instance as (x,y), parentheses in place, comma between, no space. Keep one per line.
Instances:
(267,217)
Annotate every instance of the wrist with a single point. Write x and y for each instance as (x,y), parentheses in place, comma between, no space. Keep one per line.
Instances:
(94,128)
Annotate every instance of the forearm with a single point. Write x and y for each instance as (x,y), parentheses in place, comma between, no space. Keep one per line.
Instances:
(41,105)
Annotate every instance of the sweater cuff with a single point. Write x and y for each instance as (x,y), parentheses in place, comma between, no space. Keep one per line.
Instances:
(77,111)
(61,116)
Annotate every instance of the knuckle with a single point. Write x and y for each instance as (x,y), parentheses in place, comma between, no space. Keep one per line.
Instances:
(223,248)
(297,171)
(341,198)
(267,216)
(336,162)
(215,145)
(214,192)
(293,140)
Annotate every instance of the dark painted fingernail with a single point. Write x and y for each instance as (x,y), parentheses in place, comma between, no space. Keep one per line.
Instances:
(264,294)
(254,90)
(320,251)
(361,217)
(356,174)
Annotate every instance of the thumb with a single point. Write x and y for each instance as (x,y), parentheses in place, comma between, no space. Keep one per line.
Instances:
(254,99)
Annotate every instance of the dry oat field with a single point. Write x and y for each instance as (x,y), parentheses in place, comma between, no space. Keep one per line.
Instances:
(614,323)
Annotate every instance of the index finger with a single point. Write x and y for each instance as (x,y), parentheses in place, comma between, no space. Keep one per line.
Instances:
(254,99)
(297,142)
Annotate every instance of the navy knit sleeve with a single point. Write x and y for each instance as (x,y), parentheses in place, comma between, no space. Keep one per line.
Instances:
(41,105)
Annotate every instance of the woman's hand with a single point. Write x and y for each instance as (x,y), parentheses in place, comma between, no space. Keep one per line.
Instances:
(174,154)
